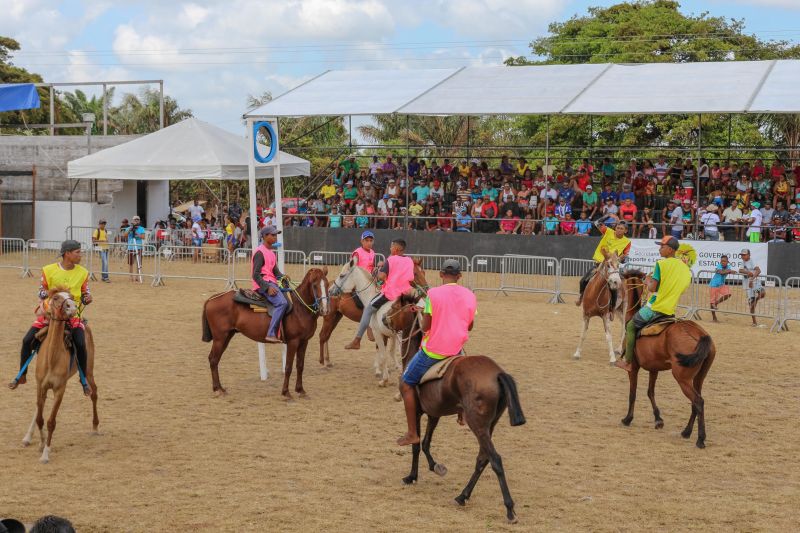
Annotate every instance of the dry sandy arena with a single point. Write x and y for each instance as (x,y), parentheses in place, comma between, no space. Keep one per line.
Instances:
(171,457)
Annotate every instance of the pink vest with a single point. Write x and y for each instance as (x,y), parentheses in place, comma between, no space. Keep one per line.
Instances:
(366,258)
(269,263)
(401,274)
(452,309)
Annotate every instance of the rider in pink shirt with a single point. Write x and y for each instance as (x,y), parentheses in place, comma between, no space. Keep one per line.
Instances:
(365,254)
(447,320)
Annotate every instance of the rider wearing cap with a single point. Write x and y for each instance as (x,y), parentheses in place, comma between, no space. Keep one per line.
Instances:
(667,283)
(365,254)
(614,240)
(265,273)
(397,273)
(70,274)
(447,320)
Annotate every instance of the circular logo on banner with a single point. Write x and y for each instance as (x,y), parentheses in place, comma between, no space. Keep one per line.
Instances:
(264,138)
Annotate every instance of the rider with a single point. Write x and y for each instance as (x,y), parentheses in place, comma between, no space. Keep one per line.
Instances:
(667,283)
(614,240)
(365,254)
(447,320)
(265,275)
(397,273)
(70,274)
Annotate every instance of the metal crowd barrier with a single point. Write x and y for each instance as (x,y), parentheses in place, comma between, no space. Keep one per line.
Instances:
(485,273)
(41,252)
(768,307)
(570,272)
(191,262)
(123,263)
(432,264)
(83,234)
(295,266)
(13,254)
(527,273)
(791,303)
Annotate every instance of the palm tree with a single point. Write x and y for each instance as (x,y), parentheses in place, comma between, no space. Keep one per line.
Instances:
(141,114)
(77,104)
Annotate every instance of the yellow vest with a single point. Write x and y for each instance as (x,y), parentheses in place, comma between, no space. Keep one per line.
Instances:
(101,236)
(612,243)
(675,278)
(55,276)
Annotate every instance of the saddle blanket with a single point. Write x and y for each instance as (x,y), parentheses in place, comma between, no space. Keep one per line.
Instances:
(258,303)
(657,327)
(438,370)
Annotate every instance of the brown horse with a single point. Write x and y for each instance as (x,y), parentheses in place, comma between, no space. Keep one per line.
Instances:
(683,347)
(223,318)
(476,389)
(54,367)
(598,301)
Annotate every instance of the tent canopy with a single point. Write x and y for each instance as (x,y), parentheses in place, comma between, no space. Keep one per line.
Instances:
(590,89)
(17,96)
(189,150)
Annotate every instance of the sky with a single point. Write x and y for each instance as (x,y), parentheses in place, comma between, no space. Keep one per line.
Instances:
(212,54)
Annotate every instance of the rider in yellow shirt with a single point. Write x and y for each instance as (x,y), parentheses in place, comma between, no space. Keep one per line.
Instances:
(667,283)
(70,274)
(614,240)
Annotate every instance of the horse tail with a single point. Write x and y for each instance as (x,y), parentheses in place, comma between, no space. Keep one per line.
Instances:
(509,387)
(207,336)
(701,351)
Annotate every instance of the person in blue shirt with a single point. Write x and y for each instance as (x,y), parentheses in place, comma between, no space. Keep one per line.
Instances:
(135,234)
(463,220)
(608,193)
(583,226)
(566,192)
(719,291)
(626,193)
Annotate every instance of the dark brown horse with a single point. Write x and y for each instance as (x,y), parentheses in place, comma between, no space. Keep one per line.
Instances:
(476,389)
(223,318)
(683,347)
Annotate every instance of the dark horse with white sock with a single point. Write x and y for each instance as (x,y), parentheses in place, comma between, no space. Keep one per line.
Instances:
(475,388)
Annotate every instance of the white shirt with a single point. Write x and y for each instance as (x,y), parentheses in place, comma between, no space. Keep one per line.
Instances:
(196,211)
(549,193)
(384,206)
(677,219)
(197,231)
(755,225)
(730,215)
(270,220)
(710,221)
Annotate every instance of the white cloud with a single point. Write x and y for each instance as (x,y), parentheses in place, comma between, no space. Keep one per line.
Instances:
(786,4)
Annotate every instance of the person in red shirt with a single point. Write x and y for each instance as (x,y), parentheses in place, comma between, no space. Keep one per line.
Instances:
(628,211)
(777,170)
(758,169)
(489,210)
(639,186)
(584,180)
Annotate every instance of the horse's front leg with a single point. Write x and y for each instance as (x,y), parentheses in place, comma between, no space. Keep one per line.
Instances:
(291,349)
(51,423)
(301,359)
(411,478)
(607,327)
(651,393)
(577,354)
(633,377)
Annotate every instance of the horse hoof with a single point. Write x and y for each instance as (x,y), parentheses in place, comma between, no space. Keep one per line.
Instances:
(513,519)
(686,433)
(460,501)
(383,383)
(286,397)
(25,443)
(576,356)
(44,460)
(397,397)
(700,444)
(659,424)
(440,469)
(409,480)
(302,394)
(627,421)
(328,365)
(220,393)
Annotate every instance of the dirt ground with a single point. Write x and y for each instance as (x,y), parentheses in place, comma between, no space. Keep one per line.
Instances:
(171,457)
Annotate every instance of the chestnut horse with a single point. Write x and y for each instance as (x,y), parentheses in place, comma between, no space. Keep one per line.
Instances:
(597,301)
(683,347)
(476,389)
(54,367)
(223,318)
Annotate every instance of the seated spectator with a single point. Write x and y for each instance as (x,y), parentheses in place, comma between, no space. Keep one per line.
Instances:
(349,218)
(463,221)
(431,223)
(590,202)
(609,172)
(463,169)
(628,211)
(523,197)
(562,209)
(710,222)
(780,192)
(421,191)
(509,224)
(528,224)
(608,193)
(489,210)
(392,189)
(551,225)
(583,226)
(444,221)
(567,225)
(335,219)
(527,179)
(610,208)
(522,166)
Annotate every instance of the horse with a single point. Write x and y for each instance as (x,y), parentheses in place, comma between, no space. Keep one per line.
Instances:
(54,367)
(222,318)
(682,347)
(475,388)
(352,282)
(597,301)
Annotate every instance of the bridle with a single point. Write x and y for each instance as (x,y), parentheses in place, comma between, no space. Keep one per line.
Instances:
(337,288)
(314,308)
(606,270)
(67,298)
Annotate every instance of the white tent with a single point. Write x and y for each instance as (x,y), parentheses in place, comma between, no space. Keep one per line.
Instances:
(189,150)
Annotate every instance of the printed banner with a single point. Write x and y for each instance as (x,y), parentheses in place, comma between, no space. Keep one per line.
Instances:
(645,252)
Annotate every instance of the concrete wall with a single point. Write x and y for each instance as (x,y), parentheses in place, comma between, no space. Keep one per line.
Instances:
(784,258)
(50,156)
(52,218)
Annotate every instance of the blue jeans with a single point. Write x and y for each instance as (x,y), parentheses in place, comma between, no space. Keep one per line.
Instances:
(280,304)
(417,367)
(677,234)
(104,263)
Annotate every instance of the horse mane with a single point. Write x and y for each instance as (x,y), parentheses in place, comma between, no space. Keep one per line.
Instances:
(215,296)
(634,273)
(56,290)
(407,299)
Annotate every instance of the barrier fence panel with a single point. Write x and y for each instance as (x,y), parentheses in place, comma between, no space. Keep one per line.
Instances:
(83,234)
(738,304)
(527,273)
(485,273)
(13,254)
(123,263)
(570,273)
(334,260)
(43,252)
(294,266)
(432,264)
(791,302)
(192,262)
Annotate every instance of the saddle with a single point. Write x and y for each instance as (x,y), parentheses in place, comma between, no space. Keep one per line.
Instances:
(655,328)
(438,370)
(357,300)
(258,303)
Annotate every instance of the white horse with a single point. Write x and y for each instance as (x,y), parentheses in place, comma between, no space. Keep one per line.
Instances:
(353,278)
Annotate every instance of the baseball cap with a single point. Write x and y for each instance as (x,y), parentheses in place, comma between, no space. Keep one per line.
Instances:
(69,246)
(367,235)
(102,221)
(11,525)
(745,251)
(269,230)
(588,187)
(756,204)
(385,196)
(793,206)
(451,266)
(672,242)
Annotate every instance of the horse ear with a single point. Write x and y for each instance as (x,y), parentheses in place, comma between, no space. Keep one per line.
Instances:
(418,261)
(325,270)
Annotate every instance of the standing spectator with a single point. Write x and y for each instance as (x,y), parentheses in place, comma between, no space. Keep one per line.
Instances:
(196,210)
(135,234)
(719,291)
(710,221)
(731,217)
(198,234)
(752,283)
(374,166)
(100,242)
(754,219)
(351,165)
(389,168)
(676,222)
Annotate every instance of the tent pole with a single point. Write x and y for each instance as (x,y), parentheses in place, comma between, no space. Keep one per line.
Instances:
(408,178)
(254,240)
(547,145)
(699,153)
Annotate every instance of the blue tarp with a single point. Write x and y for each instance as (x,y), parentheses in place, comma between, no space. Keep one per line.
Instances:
(16,96)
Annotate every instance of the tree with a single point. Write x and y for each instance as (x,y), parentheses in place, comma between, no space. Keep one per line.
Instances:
(141,114)
(648,32)
(9,73)
(78,103)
